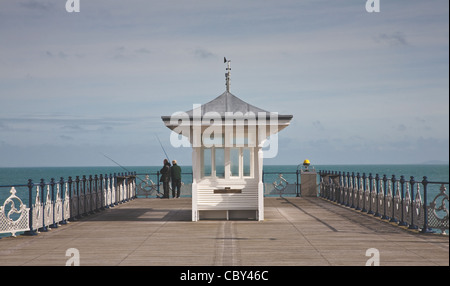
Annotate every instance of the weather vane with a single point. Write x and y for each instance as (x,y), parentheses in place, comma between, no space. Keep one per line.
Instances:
(227,74)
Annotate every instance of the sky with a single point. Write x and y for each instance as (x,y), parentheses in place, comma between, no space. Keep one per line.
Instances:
(363,88)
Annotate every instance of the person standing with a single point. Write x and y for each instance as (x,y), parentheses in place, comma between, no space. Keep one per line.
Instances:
(176,178)
(165,178)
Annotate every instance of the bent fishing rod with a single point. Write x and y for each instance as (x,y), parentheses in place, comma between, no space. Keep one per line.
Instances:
(123,167)
(129,170)
(162,148)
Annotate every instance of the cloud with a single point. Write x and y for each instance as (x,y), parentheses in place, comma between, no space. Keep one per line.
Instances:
(143,51)
(66,138)
(3,126)
(203,54)
(317,124)
(37,5)
(72,127)
(394,39)
(58,54)
(401,127)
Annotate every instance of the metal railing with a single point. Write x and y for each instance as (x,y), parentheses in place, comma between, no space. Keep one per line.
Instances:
(415,204)
(148,185)
(275,184)
(56,202)
(421,205)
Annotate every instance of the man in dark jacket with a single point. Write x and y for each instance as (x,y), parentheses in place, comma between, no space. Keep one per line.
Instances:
(165,178)
(176,178)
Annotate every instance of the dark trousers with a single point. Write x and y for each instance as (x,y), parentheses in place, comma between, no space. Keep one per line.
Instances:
(176,183)
(166,189)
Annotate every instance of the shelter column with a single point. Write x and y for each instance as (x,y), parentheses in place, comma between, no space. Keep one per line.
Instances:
(196,173)
(260,185)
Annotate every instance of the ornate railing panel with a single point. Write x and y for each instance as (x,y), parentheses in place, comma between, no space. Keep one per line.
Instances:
(55,203)
(397,200)
(14,215)
(437,211)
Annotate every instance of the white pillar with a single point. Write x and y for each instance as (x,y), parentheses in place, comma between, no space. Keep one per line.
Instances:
(260,185)
(196,165)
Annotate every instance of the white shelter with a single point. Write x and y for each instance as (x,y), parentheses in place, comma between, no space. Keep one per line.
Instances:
(227,136)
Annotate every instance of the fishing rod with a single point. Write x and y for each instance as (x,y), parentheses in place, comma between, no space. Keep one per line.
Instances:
(162,147)
(122,166)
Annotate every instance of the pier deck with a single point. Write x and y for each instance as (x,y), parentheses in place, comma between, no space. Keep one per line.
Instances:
(296,231)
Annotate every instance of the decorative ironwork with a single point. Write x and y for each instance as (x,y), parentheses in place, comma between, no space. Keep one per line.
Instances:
(398,201)
(147,188)
(281,184)
(66,203)
(13,219)
(438,214)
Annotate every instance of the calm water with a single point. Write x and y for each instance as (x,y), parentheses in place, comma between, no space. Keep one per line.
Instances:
(20,176)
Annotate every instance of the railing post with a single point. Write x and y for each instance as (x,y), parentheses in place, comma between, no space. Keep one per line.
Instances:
(91,200)
(30,202)
(358,183)
(63,199)
(96,193)
(370,210)
(42,185)
(297,186)
(102,203)
(52,184)
(71,215)
(412,226)
(116,190)
(84,196)
(353,191)
(402,220)
(157,179)
(425,228)
(385,179)
(111,184)
(393,219)
(364,193)
(349,190)
(339,196)
(377,194)
(77,180)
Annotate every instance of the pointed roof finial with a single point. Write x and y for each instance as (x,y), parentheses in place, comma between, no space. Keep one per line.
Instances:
(227,74)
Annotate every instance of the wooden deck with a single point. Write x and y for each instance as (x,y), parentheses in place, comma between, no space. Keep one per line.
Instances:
(296,232)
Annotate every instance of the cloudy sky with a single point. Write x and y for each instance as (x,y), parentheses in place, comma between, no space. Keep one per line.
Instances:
(364,88)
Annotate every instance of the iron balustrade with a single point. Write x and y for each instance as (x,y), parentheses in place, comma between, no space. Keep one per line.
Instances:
(282,183)
(54,203)
(148,184)
(275,183)
(414,204)
(400,201)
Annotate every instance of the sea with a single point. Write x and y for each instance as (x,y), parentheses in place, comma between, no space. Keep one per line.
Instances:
(19,176)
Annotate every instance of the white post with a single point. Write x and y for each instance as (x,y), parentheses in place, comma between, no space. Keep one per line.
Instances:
(260,184)
(196,165)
